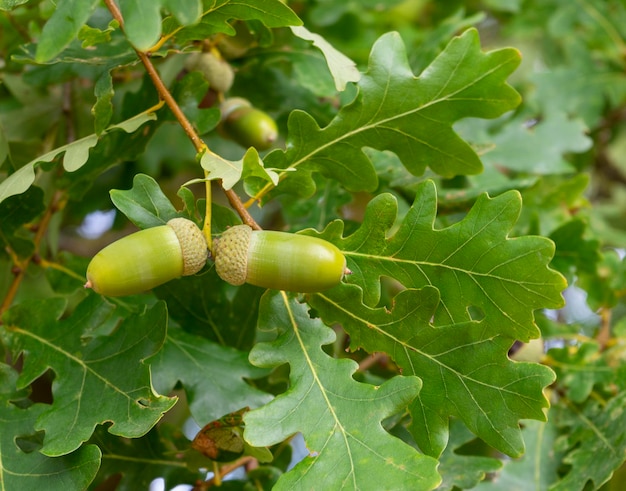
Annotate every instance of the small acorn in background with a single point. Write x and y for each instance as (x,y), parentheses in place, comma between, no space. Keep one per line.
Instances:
(148,258)
(247,125)
(278,260)
(215,70)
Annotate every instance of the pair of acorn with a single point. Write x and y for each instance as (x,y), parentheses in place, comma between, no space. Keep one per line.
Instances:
(269,259)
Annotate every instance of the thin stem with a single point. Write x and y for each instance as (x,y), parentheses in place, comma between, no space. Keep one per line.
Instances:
(186,125)
(52,265)
(56,203)
(206,229)
(371,360)
(223,471)
(240,208)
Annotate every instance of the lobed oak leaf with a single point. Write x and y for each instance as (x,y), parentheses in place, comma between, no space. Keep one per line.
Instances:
(339,417)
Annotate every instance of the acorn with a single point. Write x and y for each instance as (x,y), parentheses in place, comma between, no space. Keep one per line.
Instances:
(247,125)
(216,71)
(278,260)
(148,258)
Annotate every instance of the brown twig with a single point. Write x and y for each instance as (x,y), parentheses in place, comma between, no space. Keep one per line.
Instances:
(185,124)
(56,203)
(223,471)
(371,360)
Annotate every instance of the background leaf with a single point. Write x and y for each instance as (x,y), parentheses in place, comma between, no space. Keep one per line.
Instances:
(595,442)
(342,68)
(463,471)
(397,111)
(76,156)
(162,457)
(536,470)
(63,27)
(97,380)
(16,212)
(213,376)
(30,469)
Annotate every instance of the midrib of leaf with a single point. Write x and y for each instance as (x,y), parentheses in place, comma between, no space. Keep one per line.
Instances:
(76,360)
(395,117)
(2,488)
(320,386)
(580,368)
(587,422)
(593,12)
(406,347)
(248,5)
(473,275)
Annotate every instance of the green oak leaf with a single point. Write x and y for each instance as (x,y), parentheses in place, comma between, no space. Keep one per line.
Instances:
(478,269)
(464,367)
(580,368)
(537,469)
(460,471)
(201,305)
(186,12)
(339,417)
(216,18)
(139,461)
(144,204)
(213,376)
(142,22)
(595,441)
(271,13)
(539,149)
(21,465)
(98,380)
(250,166)
(76,155)
(63,27)
(411,116)
(16,212)
(342,68)
(8,5)
(575,253)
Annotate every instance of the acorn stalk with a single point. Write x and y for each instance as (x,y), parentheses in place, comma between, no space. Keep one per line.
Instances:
(148,258)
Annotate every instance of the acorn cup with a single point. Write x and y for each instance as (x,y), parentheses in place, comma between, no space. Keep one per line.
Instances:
(278,260)
(148,258)
(216,71)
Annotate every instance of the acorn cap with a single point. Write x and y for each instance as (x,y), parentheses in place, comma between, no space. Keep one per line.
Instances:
(231,254)
(192,243)
(216,71)
(231,104)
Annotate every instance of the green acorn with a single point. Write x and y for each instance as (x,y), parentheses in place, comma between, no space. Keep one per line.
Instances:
(148,258)
(278,260)
(247,125)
